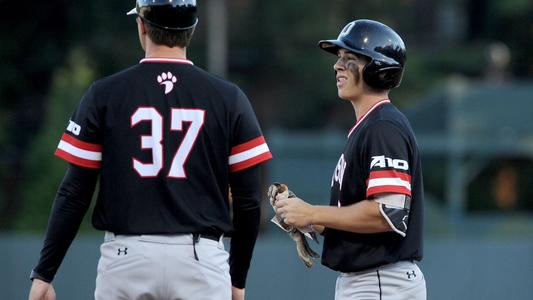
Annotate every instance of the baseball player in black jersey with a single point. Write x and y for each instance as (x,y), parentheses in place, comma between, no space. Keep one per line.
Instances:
(166,141)
(373,226)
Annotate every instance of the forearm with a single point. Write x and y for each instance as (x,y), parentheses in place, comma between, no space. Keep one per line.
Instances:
(246,229)
(72,201)
(246,193)
(361,217)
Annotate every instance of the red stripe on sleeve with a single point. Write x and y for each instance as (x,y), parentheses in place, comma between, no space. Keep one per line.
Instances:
(248,145)
(250,162)
(389,174)
(78,161)
(81,144)
(387,189)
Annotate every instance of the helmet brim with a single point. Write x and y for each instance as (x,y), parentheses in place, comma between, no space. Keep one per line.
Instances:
(132,12)
(333,46)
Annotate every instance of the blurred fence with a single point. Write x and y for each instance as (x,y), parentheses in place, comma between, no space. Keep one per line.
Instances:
(468,254)
(454,269)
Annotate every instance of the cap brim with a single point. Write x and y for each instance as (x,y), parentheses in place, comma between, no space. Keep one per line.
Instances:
(133,11)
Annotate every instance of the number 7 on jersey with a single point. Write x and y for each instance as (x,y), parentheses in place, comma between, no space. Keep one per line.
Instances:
(154,141)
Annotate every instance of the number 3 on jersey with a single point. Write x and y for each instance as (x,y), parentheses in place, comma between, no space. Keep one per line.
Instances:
(154,141)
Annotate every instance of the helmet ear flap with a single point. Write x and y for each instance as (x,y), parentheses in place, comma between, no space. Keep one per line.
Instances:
(382,76)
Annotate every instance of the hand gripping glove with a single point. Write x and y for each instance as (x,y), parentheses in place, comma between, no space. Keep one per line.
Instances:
(298,235)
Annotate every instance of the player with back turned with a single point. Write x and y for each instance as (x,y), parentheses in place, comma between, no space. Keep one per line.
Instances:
(166,141)
(373,225)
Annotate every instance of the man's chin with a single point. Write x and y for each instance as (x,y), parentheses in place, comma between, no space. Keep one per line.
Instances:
(343,96)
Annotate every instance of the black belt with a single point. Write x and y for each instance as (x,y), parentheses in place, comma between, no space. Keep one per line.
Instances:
(196,237)
(209,236)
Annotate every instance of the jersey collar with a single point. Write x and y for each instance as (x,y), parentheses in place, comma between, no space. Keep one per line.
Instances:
(367,113)
(166,60)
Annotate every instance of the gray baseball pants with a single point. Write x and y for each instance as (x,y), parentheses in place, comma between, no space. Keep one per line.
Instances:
(162,267)
(398,281)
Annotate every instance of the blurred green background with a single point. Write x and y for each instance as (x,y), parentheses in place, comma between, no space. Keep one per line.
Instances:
(468,90)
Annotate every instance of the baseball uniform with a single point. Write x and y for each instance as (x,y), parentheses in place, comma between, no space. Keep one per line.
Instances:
(380,157)
(165,138)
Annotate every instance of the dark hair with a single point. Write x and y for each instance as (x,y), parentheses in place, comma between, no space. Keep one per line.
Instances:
(169,38)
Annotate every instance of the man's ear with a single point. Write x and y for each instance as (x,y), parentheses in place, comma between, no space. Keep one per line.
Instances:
(142,27)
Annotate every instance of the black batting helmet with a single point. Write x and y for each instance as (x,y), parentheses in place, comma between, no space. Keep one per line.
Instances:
(382,45)
(167,14)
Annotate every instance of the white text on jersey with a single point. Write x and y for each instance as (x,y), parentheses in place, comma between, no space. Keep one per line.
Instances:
(383,162)
(74,128)
(338,174)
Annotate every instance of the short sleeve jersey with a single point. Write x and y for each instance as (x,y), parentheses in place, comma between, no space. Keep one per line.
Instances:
(380,157)
(165,136)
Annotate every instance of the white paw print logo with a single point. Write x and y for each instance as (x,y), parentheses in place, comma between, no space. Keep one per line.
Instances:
(168,80)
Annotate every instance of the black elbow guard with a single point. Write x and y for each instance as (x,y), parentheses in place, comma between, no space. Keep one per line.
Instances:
(396,217)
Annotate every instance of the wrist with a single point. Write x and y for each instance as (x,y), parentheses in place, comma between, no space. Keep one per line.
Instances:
(318,229)
(313,214)
(35,275)
(237,293)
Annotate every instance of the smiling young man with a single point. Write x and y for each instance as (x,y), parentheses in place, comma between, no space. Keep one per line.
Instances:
(373,225)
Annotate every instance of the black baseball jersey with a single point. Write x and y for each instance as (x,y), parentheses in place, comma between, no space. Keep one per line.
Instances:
(380,156)
(165,135)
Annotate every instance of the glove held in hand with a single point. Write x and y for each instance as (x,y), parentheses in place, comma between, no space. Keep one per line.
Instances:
(298,235)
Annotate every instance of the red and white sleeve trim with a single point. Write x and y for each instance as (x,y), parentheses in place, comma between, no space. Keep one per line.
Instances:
(79,153)
(249,154)
(389,181)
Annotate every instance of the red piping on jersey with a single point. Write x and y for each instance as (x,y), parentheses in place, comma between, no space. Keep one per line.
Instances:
(78,161)
(166,60)
(248,145)
(367,113)
(81,144)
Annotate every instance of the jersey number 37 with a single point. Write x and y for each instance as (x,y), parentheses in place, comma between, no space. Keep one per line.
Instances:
(154,141)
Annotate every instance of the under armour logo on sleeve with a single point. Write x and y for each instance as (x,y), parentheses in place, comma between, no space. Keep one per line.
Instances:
(122,251)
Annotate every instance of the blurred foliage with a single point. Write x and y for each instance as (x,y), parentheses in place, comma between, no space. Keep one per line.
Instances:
(68,85)
(276,55)
(3,133)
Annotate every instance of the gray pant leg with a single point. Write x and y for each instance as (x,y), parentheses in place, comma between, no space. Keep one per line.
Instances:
(392,282)
(361,287)
(403,280)
(125,271)
(160,267)
(207,278)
